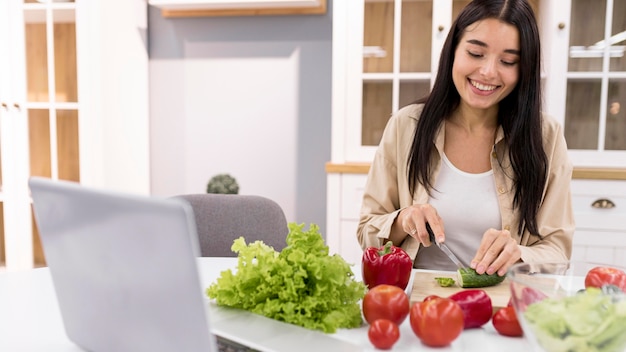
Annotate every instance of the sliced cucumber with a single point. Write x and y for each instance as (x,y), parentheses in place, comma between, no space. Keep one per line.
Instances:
(469,278)
(445,281)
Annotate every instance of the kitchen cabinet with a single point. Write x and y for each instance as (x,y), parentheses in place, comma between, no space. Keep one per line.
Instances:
(55,108)
(385,55)
(600,208)
(584,46)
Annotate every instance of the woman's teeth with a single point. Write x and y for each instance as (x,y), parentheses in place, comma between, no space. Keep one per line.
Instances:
(482,86)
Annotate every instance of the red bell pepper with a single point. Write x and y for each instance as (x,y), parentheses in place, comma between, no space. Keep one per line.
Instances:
(476,306)
(388,264)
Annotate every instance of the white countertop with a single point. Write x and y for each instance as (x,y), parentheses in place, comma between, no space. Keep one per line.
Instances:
(30,321)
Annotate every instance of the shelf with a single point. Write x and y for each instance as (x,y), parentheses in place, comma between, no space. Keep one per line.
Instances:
(200,8)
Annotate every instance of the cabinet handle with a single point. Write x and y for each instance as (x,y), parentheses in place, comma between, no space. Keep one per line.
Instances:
(5,106)
(561,25)
(603,203)
(441,28)
(17,106)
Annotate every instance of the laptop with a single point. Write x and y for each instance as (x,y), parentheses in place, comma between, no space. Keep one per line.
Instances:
(123,268)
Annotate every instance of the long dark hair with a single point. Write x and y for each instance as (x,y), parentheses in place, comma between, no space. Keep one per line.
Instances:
(519,113)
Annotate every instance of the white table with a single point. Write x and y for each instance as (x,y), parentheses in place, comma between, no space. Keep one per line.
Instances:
(30,321)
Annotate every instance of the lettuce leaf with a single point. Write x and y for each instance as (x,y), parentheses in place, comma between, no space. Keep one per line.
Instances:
(301,285)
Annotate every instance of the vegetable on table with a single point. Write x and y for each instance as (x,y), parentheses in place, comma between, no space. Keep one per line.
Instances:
(445,281)
(591,320)
(388,264)
(386,302)
(436,322)
(429,297)
(469,278)
(505,322)
(604,275)
(383,333)
(476,306)
(301,285)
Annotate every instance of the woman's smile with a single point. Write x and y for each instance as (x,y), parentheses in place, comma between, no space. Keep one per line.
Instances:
(482,87)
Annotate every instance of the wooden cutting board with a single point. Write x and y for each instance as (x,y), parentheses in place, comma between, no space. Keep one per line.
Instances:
(424,284)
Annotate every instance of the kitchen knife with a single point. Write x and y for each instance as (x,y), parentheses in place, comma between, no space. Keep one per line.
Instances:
(444,248)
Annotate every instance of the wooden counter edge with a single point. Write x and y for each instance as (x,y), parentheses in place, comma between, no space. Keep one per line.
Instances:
(347,168)
(580,173)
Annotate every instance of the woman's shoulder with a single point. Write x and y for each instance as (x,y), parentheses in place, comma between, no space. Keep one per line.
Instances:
(550,125)
(408,114)
(412,110)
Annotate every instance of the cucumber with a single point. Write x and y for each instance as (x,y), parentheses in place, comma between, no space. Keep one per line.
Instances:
(469,278)
(445,281)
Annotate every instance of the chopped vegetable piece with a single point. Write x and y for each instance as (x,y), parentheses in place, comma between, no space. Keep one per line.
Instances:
(445,281)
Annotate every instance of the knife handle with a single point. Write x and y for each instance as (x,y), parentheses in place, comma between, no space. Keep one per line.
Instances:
(431,234)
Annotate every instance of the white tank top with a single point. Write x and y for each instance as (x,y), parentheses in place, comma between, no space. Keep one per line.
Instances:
(468,205)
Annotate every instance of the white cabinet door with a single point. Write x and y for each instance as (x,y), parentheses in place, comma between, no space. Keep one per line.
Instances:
(385,55)
(600,214)
(344,202)
(66,93)
(14,135)
(584,51)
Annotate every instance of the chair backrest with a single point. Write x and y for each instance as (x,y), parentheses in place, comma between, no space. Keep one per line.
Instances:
(222,218)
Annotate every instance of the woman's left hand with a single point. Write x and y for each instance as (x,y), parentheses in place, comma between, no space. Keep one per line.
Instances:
(496,253)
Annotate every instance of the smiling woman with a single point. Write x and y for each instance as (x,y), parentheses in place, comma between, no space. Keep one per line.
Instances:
(474,154)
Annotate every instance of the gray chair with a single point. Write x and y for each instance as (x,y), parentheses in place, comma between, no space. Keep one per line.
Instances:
(222,218)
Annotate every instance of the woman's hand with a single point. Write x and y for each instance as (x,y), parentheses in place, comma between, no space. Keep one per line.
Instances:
(496,253)
(413,219)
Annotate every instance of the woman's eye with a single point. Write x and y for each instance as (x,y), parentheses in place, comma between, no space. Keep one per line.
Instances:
(473,54)
(509,63)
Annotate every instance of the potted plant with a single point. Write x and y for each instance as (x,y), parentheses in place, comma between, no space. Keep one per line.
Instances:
(222,183)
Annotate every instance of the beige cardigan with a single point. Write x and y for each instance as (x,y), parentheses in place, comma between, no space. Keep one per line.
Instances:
(387,190)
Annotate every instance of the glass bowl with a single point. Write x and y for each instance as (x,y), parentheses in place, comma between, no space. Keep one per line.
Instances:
(557,313)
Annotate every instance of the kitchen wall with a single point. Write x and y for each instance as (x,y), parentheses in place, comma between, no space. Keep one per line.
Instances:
(249,96)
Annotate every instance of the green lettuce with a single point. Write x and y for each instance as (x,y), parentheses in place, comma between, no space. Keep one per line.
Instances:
(590,321)
(301,285)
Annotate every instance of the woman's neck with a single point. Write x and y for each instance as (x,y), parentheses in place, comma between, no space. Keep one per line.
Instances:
(471,119)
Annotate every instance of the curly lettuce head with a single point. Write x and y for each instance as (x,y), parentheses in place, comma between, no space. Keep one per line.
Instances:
(301,285)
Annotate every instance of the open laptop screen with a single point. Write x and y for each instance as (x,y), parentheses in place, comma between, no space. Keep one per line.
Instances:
(123,268)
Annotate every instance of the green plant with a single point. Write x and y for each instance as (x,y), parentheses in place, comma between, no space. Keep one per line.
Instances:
(222,183)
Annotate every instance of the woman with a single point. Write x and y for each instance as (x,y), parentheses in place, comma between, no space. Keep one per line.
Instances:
(476,155)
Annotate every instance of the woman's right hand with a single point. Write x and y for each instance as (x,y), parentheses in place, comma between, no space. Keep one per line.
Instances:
(412,220)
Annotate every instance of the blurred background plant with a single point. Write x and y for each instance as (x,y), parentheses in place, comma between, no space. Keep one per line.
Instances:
(222,183)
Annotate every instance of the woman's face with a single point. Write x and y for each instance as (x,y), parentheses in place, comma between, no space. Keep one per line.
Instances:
(486,63)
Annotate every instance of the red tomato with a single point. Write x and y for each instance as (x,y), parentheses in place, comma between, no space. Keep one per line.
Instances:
(604,275)
(383,333)
(506,323)
(386,302)
(436,322)
(429,297)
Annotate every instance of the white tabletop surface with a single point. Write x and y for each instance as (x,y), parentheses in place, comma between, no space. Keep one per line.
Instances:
(30,321)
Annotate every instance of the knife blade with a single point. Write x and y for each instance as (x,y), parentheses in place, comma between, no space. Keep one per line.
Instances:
(444,248)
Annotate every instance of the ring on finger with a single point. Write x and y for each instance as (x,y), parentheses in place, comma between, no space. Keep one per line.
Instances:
(413,231)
